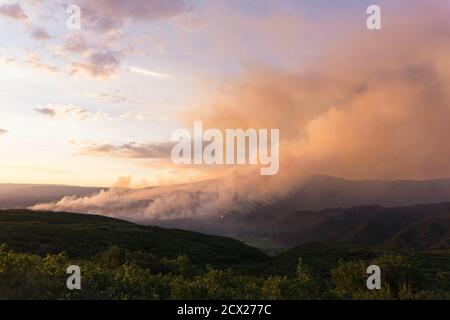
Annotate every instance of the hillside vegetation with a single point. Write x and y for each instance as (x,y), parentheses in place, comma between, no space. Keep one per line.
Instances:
(121,260)
(82,236)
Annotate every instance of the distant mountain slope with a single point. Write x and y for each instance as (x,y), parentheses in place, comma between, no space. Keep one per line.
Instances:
(419,226)
(426,233)
(303,215)
(323,208)
(322,192)
(19,196)
(82,235)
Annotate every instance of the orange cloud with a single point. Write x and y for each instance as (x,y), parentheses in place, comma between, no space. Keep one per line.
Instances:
(40,33)
(107,15)
(13,11)
(36,62)
(372,104)
(100,64)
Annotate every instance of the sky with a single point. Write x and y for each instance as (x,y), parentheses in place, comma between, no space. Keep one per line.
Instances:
(97,106)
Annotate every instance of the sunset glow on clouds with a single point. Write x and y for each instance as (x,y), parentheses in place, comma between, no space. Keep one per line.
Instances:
(89,106)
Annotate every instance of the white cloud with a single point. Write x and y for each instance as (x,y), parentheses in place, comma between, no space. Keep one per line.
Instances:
(148,72)
(71,112)
(145,150)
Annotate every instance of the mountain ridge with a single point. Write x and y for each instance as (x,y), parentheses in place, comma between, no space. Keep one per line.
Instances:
(84,235)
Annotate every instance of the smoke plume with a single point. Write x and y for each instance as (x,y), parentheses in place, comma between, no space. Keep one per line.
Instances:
(369,105)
